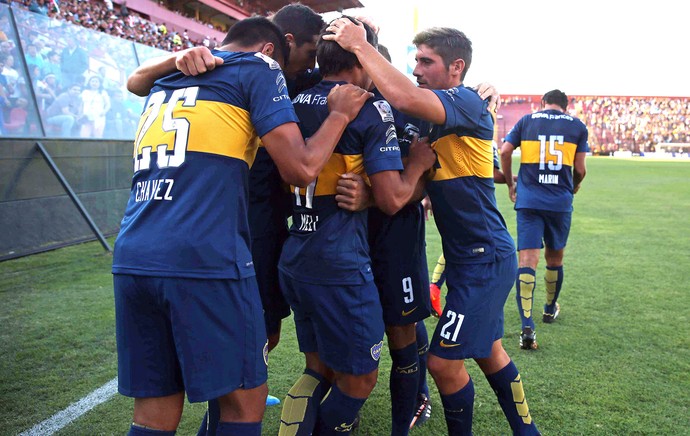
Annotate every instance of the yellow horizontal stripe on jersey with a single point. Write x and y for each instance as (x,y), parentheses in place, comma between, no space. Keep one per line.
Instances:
(463,156)
(214,127)
(337,165)
(530,152)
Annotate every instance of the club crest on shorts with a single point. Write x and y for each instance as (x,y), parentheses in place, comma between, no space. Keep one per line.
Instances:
(376,351)
(266,353)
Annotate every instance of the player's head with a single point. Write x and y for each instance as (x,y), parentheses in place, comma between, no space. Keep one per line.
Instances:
(334,59)
(258,32)
(442,51)
(385,53)
(555,97)
(301,27)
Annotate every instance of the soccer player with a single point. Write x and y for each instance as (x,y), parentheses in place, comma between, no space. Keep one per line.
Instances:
(325,267)
(188,313)
(552,167)
(438,277)
(479,251)
(269,201)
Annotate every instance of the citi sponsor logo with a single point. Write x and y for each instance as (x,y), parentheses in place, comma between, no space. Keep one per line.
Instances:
(281,97)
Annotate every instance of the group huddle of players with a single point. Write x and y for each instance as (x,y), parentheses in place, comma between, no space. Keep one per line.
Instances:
(204,272)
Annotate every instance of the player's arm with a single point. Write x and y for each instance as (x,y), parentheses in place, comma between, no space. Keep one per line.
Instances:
(393,189)
(507,167)
(299,163)
(396,88)
(191,62)
(579,170)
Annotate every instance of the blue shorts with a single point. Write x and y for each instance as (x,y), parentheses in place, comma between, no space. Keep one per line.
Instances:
(533,225)
(342,323)
(205,337)
(266,254)
(472,318)
(398,260)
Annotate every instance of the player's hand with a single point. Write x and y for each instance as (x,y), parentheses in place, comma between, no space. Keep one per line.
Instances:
(428,210)
(576,188)
(368,21)
(352,193)
(347,34)
(421,153)
(348,100)
(487,90)
(512,192)
(196,60)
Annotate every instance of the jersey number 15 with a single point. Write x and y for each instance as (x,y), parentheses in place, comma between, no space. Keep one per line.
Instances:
(550,155)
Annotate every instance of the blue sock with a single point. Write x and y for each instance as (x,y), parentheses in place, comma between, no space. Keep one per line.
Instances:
(524,293)
(554,281)
(338,412)
(210,422)
(458,409)
(137,430)
(404,384)
(507,386)
(422,348)
(239,429)
(301,406)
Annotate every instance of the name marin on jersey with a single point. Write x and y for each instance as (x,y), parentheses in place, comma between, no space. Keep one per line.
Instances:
(548,179)
(158,189)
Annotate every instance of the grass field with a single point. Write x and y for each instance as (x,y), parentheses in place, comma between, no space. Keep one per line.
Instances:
(617,361)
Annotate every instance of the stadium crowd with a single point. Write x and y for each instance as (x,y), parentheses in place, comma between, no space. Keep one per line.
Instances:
(617,123)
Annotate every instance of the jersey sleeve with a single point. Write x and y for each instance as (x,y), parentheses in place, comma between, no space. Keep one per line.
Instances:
(464,110)
(381,149)
(266,91)
(583,143)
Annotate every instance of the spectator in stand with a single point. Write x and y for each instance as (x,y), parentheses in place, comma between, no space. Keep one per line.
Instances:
(120,121)
(33,58)
(66,110)
(73,63)
(96,103)
(46,92)
(52,66)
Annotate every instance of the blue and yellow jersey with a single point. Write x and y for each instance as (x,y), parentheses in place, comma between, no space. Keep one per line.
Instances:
(328,244)
(548,140)
(269,201)
(462,187)
(197,138)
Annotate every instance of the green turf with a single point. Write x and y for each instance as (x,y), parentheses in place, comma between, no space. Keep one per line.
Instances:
(617,361)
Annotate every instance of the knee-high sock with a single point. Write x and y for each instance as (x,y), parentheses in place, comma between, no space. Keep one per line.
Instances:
(301,405)
(210,422)
(404,381)
(458,409)
(137,430)
(422,348)
(338,412)
(507,386)
(554,281)
(524,293)
(238,429)
(438,277)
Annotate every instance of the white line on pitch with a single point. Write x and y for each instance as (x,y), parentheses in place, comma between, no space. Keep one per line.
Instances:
(74,410)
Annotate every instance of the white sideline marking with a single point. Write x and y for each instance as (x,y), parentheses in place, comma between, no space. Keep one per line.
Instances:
(74,410)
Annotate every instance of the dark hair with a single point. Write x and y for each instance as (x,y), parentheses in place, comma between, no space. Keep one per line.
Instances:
(556,97)
(385,53)
(300,20)
(449,43)
(333,59)
(254,30)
